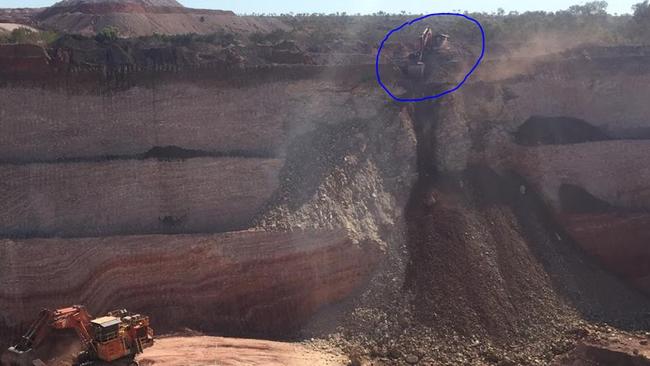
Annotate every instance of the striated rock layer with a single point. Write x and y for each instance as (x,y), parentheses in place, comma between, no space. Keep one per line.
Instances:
(600,193)
(42,124)
(614,171)
(24,58)
(619,240)
(253,282)
(607,91)
(78,162)
(134,196)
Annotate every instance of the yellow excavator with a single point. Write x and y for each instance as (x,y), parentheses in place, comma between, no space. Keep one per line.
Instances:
(113,339)
(427,44)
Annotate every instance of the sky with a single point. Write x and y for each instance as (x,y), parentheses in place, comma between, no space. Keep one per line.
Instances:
(366,6)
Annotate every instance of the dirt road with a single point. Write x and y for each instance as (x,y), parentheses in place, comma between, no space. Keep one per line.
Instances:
(203,350)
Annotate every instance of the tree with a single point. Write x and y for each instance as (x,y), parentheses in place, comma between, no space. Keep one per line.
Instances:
(26,35)
(590,8)
(642,11)
(22,35)
(108,34)
(640,26)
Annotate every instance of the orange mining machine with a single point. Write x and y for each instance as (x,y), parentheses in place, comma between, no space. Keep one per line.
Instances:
(114,339)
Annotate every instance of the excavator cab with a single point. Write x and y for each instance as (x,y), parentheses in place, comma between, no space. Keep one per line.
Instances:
(120,334)
(106,328)
(108,345)
(441,41)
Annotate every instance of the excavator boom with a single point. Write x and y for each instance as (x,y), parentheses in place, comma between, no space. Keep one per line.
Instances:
(416,69)
(75,317)
(426,40)
(35,334)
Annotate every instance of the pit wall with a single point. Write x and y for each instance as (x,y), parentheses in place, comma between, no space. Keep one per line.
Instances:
(74,152)
(233,283)
(90,115)
(134,196)
(82,184)
(606,91)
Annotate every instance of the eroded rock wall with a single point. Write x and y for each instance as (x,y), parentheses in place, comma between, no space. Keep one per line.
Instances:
(134,196)
(597,190)
(492,259)
(614,171)
(232,283)
(607,91)
(47,124)
(99,167)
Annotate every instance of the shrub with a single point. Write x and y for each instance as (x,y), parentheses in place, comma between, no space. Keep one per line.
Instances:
(108,34)
(273,37)
(221,37)
(26,35)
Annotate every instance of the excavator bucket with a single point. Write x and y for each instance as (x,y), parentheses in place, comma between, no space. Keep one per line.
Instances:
(13,349)
(12,358)
(416,71)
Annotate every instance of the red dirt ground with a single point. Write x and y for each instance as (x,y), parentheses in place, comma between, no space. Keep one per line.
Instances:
(203,350)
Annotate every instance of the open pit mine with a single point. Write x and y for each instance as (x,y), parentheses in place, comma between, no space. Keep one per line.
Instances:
(264,202)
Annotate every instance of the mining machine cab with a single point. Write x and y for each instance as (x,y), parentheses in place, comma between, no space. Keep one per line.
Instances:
(118,335)
(114,339)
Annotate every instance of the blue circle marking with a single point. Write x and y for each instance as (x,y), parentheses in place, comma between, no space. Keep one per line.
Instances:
(478,62)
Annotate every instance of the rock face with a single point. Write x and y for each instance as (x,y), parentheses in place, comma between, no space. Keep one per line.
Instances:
(490,257)
(484,248)
(557,131)
(618,240)
(101,180)
(20,17)
(613,171)
(609,219)
(581,110)
(134,196)
(239,283)
(24,58)
(617,349)
(259,120)
(605,91)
